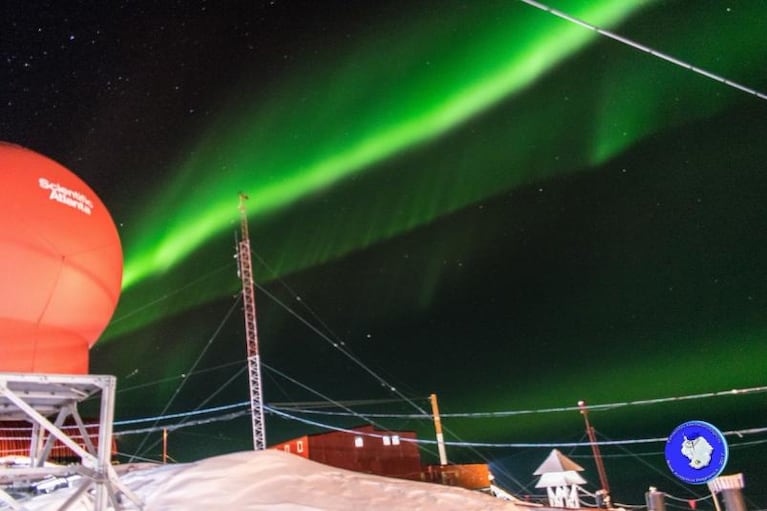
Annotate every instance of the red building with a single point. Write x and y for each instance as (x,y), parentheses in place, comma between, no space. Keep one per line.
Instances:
(385,453)
(368,450)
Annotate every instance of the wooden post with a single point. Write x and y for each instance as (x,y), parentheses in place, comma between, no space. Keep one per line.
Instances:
(438,428)
(597,455)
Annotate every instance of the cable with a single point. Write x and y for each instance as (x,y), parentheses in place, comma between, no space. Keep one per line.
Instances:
(323,396)
(305,305)
(297,405)
(192,413)
(192,368)
(340,346)
(343,350)
(680,499)
(168,295)
(645,49)
(468,444)
(598,407)
(298,298)
(317,393)
(180,376)
(204,402)
(337,344)
(187,424)
(663,474)
(742,432)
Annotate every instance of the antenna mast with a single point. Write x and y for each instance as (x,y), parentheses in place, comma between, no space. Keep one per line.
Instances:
(604,493)
(251,331)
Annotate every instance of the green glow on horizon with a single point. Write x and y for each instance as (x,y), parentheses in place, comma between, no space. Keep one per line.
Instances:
(427,106)
(643,376)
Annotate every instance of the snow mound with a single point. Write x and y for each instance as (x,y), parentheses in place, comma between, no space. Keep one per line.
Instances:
(277,481)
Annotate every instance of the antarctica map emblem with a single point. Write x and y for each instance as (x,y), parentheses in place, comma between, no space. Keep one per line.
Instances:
(696,452)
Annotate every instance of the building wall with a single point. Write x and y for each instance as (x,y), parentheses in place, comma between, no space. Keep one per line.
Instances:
(299,446)
(387,453)
(473,476)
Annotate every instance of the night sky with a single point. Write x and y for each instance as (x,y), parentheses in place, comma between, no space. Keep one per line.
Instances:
(477,199)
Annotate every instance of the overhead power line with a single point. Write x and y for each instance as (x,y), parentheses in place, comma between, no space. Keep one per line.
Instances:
(229,415)
(646,49)
(191,369)
(575,408)
(340,347)
(285,407)
(280,413)
(291,405)
(360,416)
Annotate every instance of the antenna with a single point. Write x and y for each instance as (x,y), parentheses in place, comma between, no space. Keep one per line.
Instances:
(245,270)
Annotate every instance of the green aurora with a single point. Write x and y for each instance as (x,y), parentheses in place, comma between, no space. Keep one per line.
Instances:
(477,198)
(378,107)
(557,215)
(398,98)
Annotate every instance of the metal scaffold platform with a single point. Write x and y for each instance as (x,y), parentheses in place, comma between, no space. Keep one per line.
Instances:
(47,401)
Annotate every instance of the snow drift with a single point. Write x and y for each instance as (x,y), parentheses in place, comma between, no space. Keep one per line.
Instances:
(277,481)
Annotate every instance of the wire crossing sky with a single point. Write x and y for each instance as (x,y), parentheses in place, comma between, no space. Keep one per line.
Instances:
(436,89)
(415,121)
(479,199)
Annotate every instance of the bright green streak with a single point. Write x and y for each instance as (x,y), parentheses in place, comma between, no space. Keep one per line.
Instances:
(508,64)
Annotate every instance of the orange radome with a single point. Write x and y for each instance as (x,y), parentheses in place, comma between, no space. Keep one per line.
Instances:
(60,265)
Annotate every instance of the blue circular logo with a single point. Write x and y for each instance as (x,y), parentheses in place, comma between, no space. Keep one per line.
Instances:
(696,452)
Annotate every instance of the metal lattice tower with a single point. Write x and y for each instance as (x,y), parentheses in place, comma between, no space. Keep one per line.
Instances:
(251,331)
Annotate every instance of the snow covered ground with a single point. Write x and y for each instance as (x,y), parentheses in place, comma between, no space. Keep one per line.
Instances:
(277,481)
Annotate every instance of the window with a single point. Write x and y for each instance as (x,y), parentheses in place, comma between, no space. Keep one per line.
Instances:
(395,440)
(386,440)
(300,446)
(358,441)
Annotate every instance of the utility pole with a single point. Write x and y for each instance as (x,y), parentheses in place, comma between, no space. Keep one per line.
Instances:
(438,429)
(164,446)
(597,455)
(251,331)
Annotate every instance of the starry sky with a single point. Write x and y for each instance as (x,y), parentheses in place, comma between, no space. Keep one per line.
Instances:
(477,199)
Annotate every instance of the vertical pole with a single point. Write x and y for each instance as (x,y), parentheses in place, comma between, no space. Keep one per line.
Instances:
(716,501)
(655,500)
(164,446)
(733,499)
(438,429)
(104,454)
(595,451)
(35,445)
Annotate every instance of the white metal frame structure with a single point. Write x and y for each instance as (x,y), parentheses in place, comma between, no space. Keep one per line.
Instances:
(38,398)
(251,331)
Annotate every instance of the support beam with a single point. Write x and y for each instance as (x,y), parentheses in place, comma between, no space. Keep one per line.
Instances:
(36,397)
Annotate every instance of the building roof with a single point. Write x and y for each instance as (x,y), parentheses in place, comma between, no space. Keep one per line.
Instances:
(557,462)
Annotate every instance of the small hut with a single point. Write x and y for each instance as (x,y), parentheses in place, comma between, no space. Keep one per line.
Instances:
(559,475)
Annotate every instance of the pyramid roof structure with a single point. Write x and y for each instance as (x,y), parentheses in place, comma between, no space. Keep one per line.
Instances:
(557,462)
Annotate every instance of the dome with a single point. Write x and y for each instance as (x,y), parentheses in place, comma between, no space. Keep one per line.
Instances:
(60,265)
